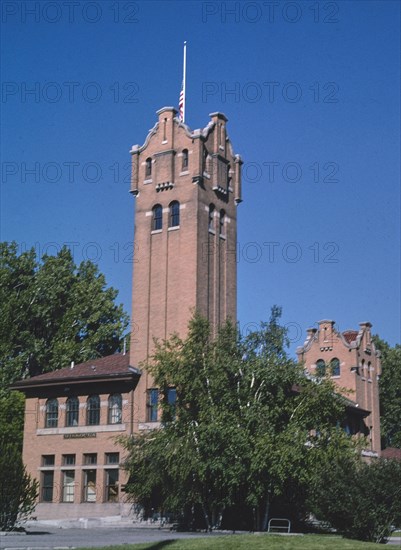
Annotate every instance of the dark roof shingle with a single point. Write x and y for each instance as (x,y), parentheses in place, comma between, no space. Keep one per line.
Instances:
(111,365)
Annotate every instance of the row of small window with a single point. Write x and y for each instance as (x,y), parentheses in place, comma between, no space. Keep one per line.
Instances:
(114,411)
(152,404)
(173,216)
(87,459)
(90,490)
(333,369)
(184,163)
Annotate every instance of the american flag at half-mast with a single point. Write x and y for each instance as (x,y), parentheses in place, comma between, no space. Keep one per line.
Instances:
(181,104)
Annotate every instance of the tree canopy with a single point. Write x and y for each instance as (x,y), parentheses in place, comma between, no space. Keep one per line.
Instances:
(244,434)
(53,312)
(361,501)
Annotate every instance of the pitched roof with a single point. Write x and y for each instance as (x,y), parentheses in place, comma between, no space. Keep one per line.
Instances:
(350,335)
(111,366)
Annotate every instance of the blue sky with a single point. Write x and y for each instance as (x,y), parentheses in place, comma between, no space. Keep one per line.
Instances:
(311,91)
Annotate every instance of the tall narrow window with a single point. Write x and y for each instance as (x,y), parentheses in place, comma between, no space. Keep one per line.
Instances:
(148,167)
(157,217)
(93,410)
(335,367)
(211,217)
(47,486)
(112,485)
(89,485)
(51,413)
(185,159)
(205,160)
(171,400)
(72,411)
(320,367)
(221,222)
(228,177)
(152,405)
(115,409)
(174,217)
(68,486)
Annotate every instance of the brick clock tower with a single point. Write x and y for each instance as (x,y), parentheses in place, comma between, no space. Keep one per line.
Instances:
(187,186)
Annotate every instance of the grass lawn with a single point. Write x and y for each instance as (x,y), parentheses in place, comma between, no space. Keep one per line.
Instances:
(252,542)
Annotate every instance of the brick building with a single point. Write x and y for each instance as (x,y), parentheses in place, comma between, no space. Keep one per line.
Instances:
(351,359)
(72,417)
(187,186)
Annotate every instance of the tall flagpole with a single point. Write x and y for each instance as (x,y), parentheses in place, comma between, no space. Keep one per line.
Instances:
(184,81)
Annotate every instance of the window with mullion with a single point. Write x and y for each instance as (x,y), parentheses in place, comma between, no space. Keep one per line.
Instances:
(174,220)
(72,411)
(152,405)
(157,218)
(51,413)
(93,410)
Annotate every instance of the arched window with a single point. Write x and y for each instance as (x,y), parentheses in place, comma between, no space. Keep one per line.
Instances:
(115,409)
(185,159)
(157,217)
(148,167)
(335,367)
(221,222)
(211,217)
(51,413)
(93,410)
(72,411)
(174,214)
(320,367)
(369,377)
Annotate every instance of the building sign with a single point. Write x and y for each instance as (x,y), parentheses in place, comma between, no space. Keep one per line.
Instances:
(79,435)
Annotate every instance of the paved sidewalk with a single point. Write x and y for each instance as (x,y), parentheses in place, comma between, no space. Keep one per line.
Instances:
(46,538)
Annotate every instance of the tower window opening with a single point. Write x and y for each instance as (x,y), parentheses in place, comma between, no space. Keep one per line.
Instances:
(174,218)
(148,167)
(157,218)
(211,217)
(222,219)
(205,160)
(185,159)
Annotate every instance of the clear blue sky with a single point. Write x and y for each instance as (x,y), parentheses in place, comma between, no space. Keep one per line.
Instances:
(311,91)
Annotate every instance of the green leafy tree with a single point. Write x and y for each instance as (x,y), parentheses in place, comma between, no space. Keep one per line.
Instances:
(18,491)
(361,501)
(243,430)
(53,312)
(390,393)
